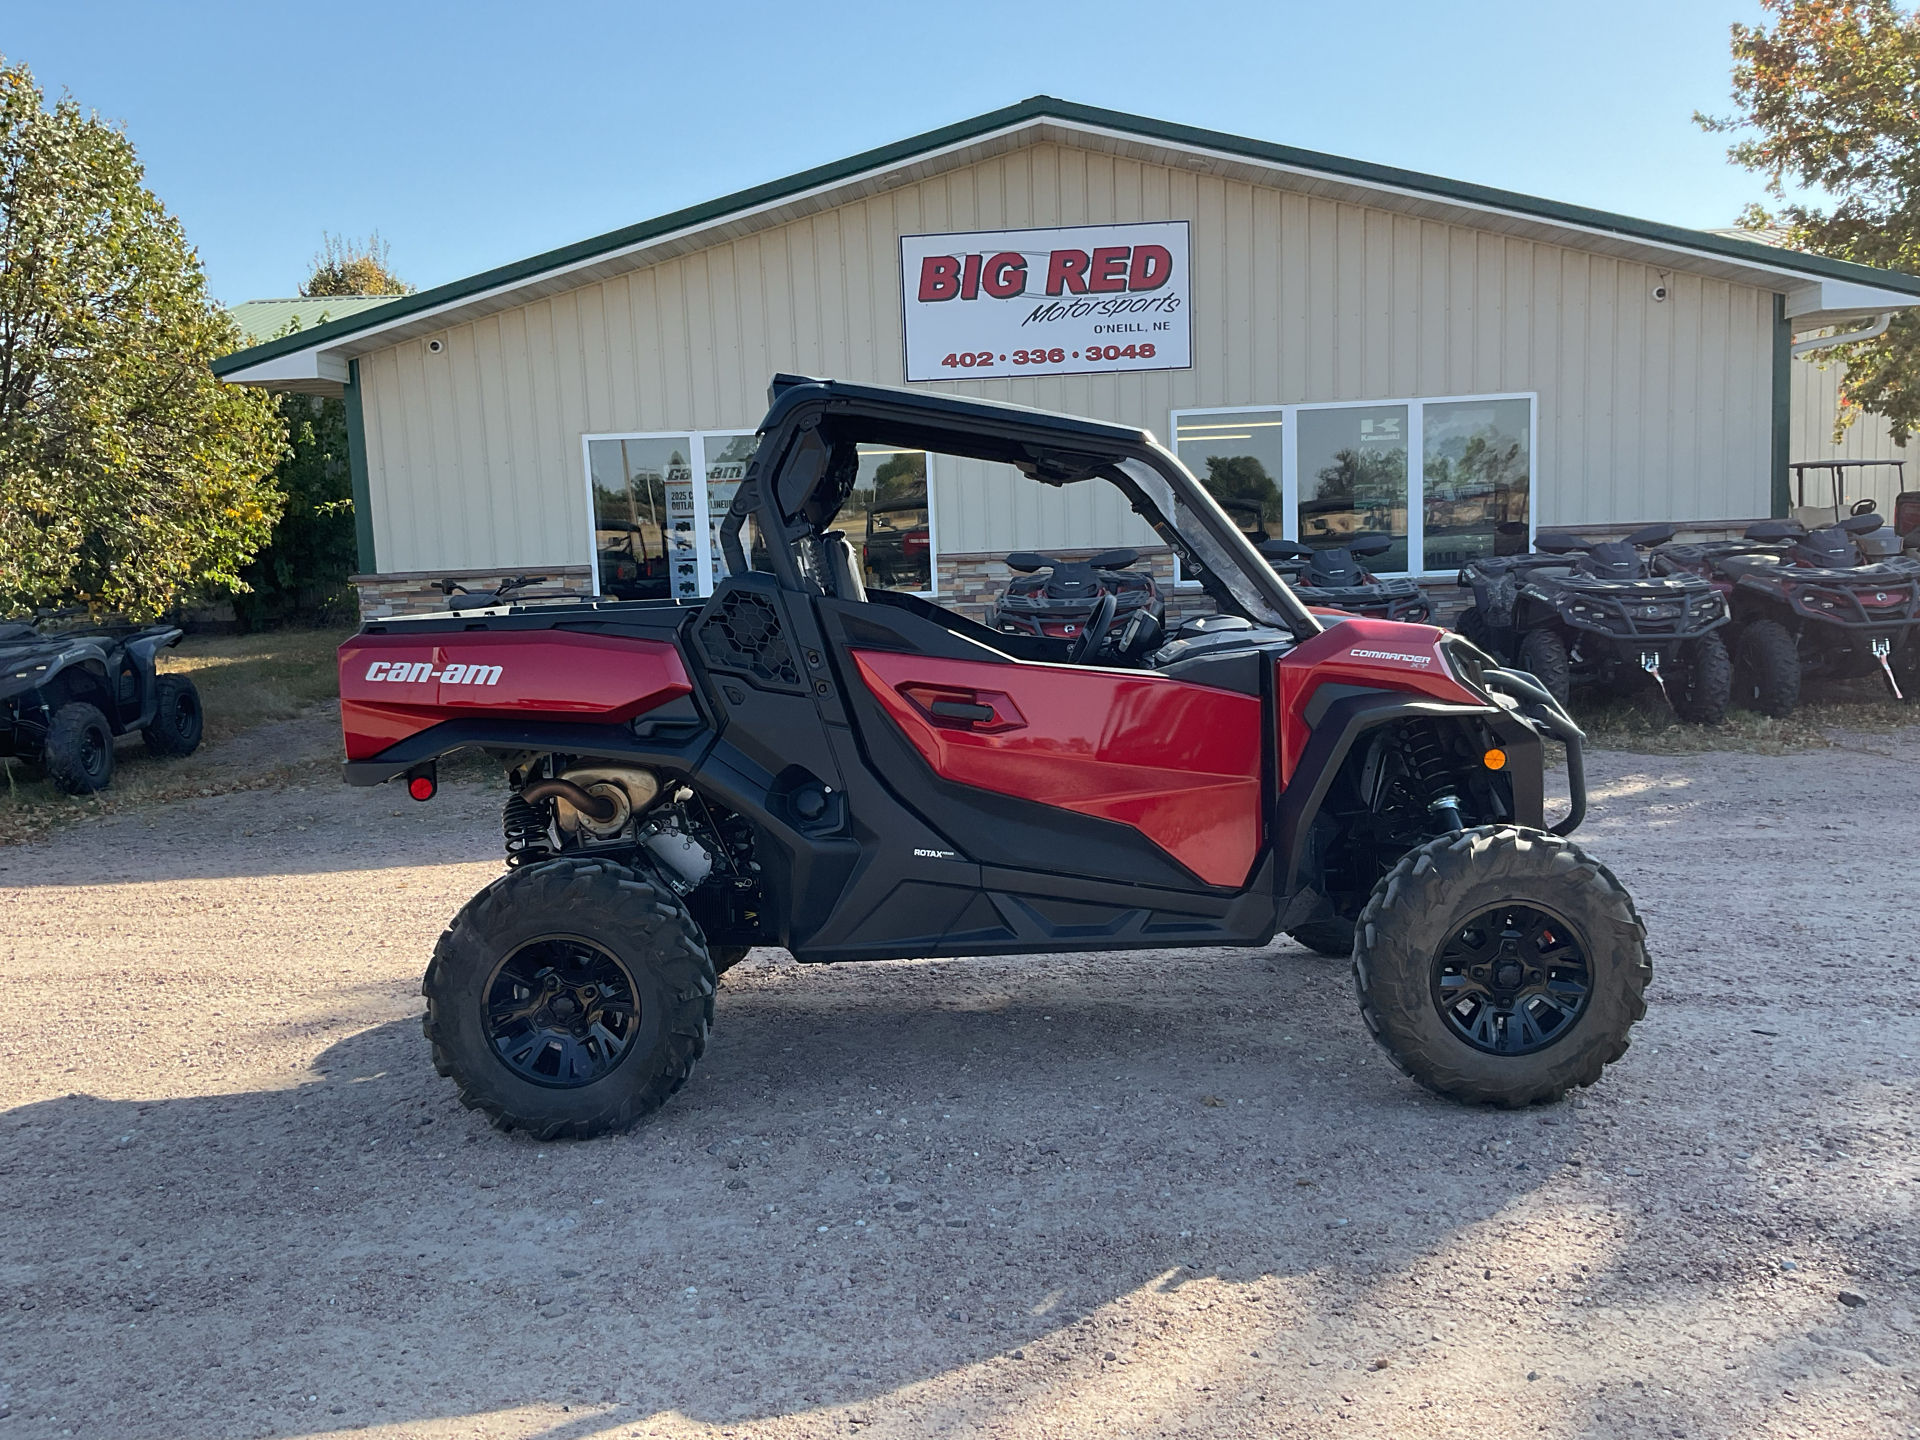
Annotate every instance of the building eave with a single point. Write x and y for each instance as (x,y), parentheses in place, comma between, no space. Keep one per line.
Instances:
(276,365)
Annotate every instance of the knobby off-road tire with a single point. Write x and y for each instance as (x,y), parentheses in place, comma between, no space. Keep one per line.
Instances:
(1543,655)
(1704,685)
(1471,625)
(1332,938)
(1423,904)
(177,718)
(1767,676)
(589,907)
(79,754)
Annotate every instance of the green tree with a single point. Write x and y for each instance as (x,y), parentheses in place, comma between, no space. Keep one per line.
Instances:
(129,476)
(1826,100)
(353,267)
(300,576)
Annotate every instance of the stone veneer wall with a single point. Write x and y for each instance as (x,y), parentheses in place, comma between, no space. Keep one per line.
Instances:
(417,592)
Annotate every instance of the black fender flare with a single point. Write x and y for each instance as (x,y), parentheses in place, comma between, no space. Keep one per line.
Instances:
(1342,725)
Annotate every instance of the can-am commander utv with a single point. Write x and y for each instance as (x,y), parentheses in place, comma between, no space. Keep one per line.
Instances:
(1581,613)
(861,774)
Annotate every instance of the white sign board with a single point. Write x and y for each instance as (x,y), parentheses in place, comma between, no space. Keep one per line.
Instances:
(1083,300)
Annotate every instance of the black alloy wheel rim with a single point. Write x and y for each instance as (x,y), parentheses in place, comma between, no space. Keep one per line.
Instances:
(93,751)
(183,711)
(561,1012)
(1513,980)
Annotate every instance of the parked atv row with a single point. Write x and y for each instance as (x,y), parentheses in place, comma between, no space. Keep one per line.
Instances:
(64,697)
(1838,602)
(1584,614)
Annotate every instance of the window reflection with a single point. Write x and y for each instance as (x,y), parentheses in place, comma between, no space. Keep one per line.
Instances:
(1236,455)
(643,516)
(1353,478)
(1478,472)
(888,520)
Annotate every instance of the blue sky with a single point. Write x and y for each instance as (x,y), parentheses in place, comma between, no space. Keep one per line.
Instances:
(478,133)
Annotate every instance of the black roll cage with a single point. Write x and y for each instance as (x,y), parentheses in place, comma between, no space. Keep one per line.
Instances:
(804,469)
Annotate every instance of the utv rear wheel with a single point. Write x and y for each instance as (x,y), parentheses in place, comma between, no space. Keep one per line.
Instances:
(1543,655)
(1768,674)
(79,754)
(177,720)
(1704,684)
(1501,966)
(569,999)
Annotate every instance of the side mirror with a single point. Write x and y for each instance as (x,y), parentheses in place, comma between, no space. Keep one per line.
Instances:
(1653,535)
(1561,544)
(1028,561)
(1114,559)
(1864,523)
(1370,545)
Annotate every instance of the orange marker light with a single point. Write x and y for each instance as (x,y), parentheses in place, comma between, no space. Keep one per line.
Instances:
(1494,759)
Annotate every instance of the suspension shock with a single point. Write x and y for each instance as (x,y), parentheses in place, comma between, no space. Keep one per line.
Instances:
(1432,775)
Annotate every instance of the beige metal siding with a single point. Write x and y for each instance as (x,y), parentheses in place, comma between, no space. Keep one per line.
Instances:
(1816,401)
(1647,411)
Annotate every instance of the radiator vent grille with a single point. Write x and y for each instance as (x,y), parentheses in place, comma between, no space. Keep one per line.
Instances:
(743,633)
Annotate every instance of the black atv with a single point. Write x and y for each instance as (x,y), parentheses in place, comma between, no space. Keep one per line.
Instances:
(64,697)
(1828,603)
(1063,595)
(1334,579)
(1586,613)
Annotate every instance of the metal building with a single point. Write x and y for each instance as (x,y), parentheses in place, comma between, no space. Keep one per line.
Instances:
(1334,345)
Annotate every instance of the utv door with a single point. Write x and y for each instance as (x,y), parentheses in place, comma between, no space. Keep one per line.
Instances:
(1112,775)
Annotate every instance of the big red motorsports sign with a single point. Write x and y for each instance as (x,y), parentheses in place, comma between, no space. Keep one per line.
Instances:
(1084,300)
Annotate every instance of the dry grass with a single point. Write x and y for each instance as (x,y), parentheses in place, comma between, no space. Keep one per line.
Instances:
(1645,726)
(284,679)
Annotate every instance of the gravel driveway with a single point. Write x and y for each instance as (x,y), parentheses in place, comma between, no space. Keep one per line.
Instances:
(1154,1193)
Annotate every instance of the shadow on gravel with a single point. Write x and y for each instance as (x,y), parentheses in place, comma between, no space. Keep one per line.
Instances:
(777,1239)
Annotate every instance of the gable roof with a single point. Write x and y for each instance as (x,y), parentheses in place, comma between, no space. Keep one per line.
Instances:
(263,320)
(1819,290)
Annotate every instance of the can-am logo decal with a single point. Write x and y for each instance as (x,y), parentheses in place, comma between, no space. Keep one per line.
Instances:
(415,670)
(1391,655)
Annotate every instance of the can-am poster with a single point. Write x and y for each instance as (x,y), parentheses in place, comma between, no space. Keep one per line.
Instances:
(1081,300)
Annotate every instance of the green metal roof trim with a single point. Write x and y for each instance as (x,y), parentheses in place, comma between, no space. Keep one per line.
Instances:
(260,320)
(1045,107)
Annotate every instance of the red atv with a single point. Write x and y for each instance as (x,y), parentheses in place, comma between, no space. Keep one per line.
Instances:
(863,775)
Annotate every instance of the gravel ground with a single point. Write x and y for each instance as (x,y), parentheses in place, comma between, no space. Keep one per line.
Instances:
(1156,1193)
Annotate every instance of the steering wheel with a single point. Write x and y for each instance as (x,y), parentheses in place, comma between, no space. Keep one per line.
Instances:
(1094,631)
(1865,506)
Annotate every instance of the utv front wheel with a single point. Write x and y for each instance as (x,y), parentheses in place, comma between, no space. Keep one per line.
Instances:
(1704,685)
(79,754)
(1501,966)
(569,999)
(1543,655)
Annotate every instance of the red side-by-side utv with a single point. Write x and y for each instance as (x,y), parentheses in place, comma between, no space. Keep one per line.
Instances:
(860,774)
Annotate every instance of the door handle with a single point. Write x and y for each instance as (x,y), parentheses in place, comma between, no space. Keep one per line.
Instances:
(960,710)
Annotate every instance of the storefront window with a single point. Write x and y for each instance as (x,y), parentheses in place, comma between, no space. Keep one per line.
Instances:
(889,521)
(727,458)
(643,516)
(1353,477)
(1478,469)
(1237,455)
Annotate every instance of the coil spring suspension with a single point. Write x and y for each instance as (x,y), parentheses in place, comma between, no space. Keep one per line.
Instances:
(1431,772)
(526,827)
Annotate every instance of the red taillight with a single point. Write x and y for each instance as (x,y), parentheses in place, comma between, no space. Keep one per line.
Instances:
(421,787)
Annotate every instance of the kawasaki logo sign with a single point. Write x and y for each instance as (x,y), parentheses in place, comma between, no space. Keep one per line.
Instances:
(417,670)
(1081,300)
